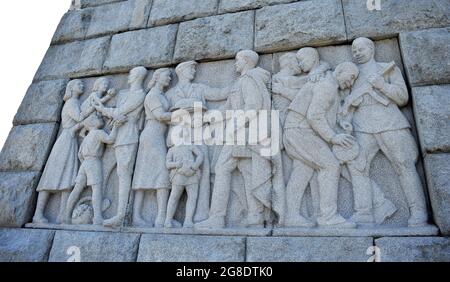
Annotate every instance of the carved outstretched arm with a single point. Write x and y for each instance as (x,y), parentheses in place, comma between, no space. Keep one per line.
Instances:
(162,115)
(111,138)
(279,89)
(215,94)
(170,164)
(199,158)
(395,88)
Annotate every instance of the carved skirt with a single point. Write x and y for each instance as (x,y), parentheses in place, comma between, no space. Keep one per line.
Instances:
(62,165)
(151,172)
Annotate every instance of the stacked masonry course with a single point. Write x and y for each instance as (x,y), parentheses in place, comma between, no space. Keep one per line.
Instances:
(106,37)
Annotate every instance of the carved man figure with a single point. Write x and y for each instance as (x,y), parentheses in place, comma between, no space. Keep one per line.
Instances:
(309,130)
(129,109)
(251,94)
(379,124)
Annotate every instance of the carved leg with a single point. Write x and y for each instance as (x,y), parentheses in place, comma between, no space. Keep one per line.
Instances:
(162,197)
(192,192)
(255,209)
(73,199)
(62,206)
(175,195)
(137,208)
(97,204)
(40,207)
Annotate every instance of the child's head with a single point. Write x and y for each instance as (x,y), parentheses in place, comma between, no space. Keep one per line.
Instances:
(94,121)
(101,85)
(289,62)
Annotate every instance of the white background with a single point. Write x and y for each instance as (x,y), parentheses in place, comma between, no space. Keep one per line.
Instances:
(26,29)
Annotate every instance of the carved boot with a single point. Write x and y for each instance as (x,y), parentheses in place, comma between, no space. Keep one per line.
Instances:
(40,219)
(298,221)
(385,211)
(255,221)
(116,221)
(336,221)
(362,218)
(212,222)
(418,218)
(139,222)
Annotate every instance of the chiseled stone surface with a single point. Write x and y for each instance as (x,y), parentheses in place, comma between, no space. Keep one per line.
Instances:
(227,6)
(170,11)
(425,55)
(95,246)
(305,23)
(214,37)
(25,245)
(394,17)
(74,59)
(17,197)
(308,249)
(437,167)
(73,26)
(42,103)
(174,248)
(432,112)
(150,47)
(27,147)
(414,249)
(92,3)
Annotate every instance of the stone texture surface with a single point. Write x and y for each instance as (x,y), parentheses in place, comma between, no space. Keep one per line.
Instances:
(394,17)
(432,112)
(308,249)
(173,248)
(437,167)
(170,11)
(73,26)
(17,197)
(27,147)
(238,5)
(425,54)
(305,23)
(25,245)
(214,37)
(414,249)
(151,48)
(74,59)
(95,246)
(92,3)
(42,103)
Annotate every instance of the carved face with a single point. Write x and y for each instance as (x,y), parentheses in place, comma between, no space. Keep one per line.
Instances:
(103,85)
(306,63)
(362,52)
(240,64)
(346,80)
(189,72)
(78,88)
(136,74)
(165,78)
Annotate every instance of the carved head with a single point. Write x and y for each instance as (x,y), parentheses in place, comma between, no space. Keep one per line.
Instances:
(186,70)
(74,89)
(94,121)
(289,62)
(246,60)
(308,58)
(346,74)
(137,75)
(161,76)
(363,50)
(101,85)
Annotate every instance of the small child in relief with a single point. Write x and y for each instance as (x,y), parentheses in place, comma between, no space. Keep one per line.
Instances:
(90,172)
(184,163)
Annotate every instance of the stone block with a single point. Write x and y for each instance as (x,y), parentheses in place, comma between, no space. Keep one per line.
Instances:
(239,5)
(414,249)
(432,112)
(150,47)
(214,37)
(27,147)
(425,54)
(94,246)
(305,23)
(437,168)
(73,26)
(394,17)
(42,103)
(17,197)
(171,11)
(25,245)
(93,3)
(308,249)
(186,248)
(74,59)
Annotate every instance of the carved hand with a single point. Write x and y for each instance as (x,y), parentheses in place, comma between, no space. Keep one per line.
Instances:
(347,126)
(345,140)
(112,92)
(376,81)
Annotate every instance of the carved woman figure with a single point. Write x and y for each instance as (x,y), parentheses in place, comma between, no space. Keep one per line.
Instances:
(62,165)
(151,173)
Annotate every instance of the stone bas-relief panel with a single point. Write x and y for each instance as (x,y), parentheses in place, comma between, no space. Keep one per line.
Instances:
(347,162)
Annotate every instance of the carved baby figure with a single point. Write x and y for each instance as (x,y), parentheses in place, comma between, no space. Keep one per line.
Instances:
(184,162)
(90,173)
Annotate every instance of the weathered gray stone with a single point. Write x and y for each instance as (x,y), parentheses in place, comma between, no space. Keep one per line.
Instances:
(25,245)
(394,17)
(239,5)
(151,48)
(27,147)
(432,112)
(17,197)
(425,55)
(414,249)
(93,3)
(126,15)
(214,37)
(437,167)
(42,103)
(306,23)
(73,26)
(308,249)
(173,248)
(74,59)
(95,246)
(170,11)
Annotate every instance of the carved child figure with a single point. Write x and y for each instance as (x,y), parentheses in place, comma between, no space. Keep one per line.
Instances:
(90,173)
(184,162)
